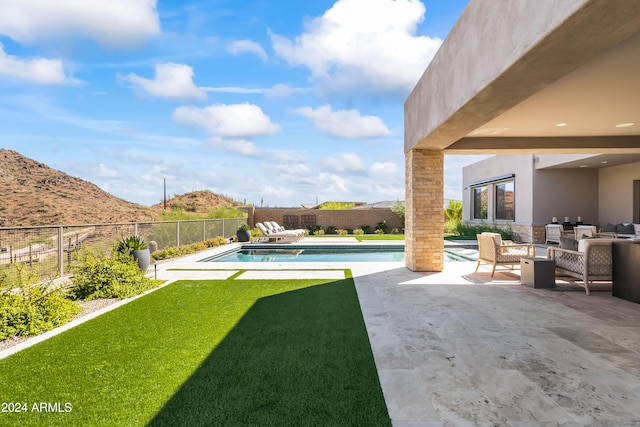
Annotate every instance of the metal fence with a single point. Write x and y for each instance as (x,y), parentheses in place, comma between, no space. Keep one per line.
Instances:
(51,249)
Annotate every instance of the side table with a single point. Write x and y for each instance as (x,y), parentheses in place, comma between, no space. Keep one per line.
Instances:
(538,272)
(626,270)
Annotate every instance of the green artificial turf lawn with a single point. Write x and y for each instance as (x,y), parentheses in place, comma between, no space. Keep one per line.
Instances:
(380,237)
(227,352)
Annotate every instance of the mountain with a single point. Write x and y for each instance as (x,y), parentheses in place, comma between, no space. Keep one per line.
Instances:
(202,202)
(35,194)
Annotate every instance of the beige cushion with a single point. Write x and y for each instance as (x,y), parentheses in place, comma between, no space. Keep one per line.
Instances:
(497,238)
(582,244)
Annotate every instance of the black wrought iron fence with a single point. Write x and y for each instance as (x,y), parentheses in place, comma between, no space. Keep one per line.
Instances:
(51,250)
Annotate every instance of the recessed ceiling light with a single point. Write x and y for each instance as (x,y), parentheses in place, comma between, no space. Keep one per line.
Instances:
(560,124)
(625,125)
(584,166)
(604,162)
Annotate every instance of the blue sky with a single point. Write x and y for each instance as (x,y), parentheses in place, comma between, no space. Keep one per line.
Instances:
(269,102)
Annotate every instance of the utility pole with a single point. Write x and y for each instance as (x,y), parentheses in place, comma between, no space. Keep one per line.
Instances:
(165,193)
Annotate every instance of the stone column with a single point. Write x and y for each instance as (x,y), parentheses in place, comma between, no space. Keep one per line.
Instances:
(424,210)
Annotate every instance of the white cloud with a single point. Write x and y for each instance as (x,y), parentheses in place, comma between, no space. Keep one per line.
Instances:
(113,23)
(241,46)
(239,146)
(383,168)
(347,124)
(284,90)
(235,89)
(363,45)
(234,120)
(279,90)
(344,162)
(105,172)
(38,70)
(171,81)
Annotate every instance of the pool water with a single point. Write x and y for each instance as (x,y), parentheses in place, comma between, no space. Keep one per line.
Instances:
(317,254)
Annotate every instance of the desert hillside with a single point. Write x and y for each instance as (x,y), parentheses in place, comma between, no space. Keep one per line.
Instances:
(35,194)
(196,201)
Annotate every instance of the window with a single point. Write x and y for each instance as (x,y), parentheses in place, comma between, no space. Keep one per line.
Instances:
(480,202)
(505,200)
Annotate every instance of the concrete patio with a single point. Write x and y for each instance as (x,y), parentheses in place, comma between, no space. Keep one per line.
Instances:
(458,348)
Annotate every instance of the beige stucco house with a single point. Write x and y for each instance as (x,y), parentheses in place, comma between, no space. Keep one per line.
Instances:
(526,77)
(527,191)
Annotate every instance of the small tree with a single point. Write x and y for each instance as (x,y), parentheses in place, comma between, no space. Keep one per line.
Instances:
(453,212)
(398,209)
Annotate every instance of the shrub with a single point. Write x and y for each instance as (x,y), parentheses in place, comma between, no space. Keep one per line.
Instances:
(331,230)
(342,232)
(366,229)
(319,232)
(313,229)
(469,230)
(395,231)
(174,252)
(382,225)
(452,226)
(30,308)
(101,276)
(166,253)
(256,232)
(131,243)
(358,231)
(378,231)
(177,206)
(337,206)
(193,206)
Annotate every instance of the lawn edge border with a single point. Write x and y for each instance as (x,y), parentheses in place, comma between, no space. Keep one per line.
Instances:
(60,329)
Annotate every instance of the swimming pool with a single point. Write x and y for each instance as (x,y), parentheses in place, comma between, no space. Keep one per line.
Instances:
(297,253)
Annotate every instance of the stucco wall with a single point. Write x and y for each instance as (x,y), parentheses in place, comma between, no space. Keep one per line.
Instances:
(479,71)
(565,193)
(519,165)
(616,193)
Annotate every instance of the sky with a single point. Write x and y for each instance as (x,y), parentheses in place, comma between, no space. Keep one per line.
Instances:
(275,103)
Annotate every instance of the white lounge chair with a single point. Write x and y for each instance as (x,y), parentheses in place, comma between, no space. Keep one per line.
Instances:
(278,236)
(274,226)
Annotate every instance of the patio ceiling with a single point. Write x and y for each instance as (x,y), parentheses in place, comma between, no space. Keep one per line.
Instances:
(572,87)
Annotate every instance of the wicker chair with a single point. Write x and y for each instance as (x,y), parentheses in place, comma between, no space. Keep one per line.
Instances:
(592,261)
(553,232)
(493,250)
(585,230)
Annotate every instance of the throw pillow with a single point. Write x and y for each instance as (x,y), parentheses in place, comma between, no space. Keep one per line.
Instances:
(568,243)
(610,228)
(625,229)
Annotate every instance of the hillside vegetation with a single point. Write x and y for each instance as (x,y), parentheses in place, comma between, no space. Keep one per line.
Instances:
(35,194)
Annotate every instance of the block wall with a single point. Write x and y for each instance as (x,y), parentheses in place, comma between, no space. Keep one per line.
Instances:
(341,219)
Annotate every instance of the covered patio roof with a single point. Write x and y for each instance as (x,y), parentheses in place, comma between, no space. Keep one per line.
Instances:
(532,76)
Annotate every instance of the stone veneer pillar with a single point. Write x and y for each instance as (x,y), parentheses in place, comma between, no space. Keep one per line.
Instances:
(424,210)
